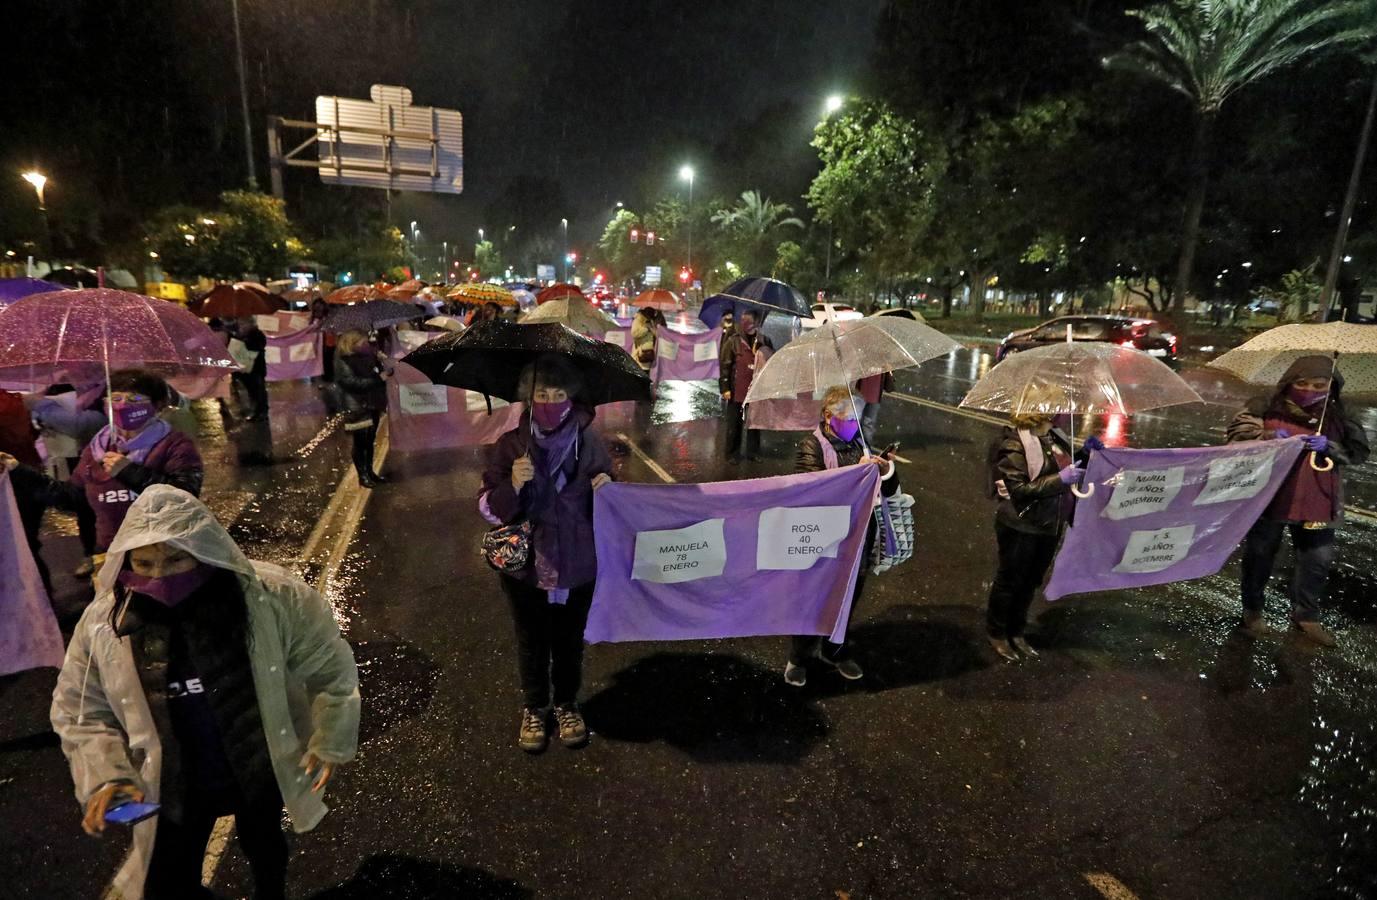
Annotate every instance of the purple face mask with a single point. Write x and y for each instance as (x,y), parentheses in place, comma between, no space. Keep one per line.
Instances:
(133,416)
(549,416)
(169,590)
(845,429)
(1305,398)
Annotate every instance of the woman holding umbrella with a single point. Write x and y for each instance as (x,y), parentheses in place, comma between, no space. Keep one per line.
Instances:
(358,374)
(643,335)
(544,472)
(1306,402)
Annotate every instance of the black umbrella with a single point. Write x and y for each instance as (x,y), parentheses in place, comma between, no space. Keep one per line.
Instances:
(488,359)
(371,315)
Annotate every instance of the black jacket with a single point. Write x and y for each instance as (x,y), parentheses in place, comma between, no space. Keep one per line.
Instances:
(1034,504)
(359,377)
(731,345)
(811,459)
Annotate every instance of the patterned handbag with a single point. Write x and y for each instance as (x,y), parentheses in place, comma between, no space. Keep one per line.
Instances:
(508,548)
(894,538)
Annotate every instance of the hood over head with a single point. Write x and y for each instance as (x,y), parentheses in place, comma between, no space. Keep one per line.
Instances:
(165,514)
(1311,367)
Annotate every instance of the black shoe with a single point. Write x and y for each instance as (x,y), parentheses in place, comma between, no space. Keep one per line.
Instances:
(380,478)
(367,481)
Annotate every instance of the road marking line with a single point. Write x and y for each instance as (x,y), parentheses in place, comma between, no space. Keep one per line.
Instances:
(644,457)
(1109,887)
(342,490)
(320,436)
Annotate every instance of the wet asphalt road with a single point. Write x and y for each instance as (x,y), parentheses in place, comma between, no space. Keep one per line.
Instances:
(1150,748)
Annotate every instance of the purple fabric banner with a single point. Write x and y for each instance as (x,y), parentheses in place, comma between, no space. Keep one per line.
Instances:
(776,556)
(295,354)
(1159,516)
(426,416)
(29,636)
(686,357)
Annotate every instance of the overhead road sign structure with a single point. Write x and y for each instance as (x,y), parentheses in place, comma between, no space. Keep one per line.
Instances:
(384,143)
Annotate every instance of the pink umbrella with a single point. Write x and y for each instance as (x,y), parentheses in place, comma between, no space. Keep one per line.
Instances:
(81,336)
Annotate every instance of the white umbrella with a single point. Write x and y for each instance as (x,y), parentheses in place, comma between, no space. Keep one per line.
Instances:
(577,314)
(449,323)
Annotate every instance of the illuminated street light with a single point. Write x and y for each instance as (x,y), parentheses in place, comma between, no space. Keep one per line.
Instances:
(686,173)
(834,103)
(39,181)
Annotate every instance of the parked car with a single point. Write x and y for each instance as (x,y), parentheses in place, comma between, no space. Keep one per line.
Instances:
(831,312)
(1126,331)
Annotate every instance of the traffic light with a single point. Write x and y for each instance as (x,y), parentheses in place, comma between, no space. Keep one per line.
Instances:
(684,275)
(649,238)
(635,235)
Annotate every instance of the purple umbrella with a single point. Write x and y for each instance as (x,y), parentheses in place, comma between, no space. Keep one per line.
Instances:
(81,336)
(12,289)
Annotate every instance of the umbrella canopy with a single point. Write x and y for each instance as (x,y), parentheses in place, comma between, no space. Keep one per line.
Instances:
(75,276)
(1265,358)
(902,313)
(300,295)
(842,353)
(658,298)
(489,357)
(253,286)
(370,315)
(406,290)
(448,323)
(764,295)
(1082,378)
(558,292)
(226,301)
(575,313)
(11,289)
(79,335)
(481,292)
(524,299)
(354,293)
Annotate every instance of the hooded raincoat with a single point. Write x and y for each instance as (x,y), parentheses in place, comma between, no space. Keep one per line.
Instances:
(304,675)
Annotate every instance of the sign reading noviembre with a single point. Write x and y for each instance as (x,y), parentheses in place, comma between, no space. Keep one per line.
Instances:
(780,557)
(1159,516)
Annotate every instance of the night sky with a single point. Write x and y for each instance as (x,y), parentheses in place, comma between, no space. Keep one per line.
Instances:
(130,105)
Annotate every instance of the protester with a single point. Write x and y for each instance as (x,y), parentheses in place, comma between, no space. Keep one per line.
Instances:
(136,451)
(254,379)
(358,372)
(319,310)
(870,391)
(1032,470)
(18,440)
(742,353)
(544,472)
(68,418)
(1309,502)
(185,684)
(643,336)
(834,443)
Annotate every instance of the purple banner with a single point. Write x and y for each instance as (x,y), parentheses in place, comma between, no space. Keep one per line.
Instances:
(776,556)
(1159,516)
(294,355)
(686,357)
(29,636)
(426,416)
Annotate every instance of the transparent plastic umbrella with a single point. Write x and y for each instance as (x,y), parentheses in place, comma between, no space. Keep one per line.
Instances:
(1085,378)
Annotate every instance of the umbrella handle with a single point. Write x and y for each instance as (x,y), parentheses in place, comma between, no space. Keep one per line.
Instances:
(1088,492)
(1315,464)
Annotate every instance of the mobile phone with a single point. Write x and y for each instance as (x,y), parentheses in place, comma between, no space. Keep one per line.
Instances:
(890,449)
(130,813)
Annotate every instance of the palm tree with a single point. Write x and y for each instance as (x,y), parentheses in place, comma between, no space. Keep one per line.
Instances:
(752,226)
(1209,49)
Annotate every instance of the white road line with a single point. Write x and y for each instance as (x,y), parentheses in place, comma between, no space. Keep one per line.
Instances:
(655,467)
(1109,887)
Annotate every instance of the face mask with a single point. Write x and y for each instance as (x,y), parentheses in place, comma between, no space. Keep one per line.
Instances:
(846,429)
(549,416)
(133,416)
(168,590)
(1307,398)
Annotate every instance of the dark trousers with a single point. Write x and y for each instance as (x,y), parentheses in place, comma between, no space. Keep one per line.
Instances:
(174,872)
(1314,555)
(549,641)
(803,646)
(255,391)
(85,517)
(361,452)
(733,412)
(1024,558)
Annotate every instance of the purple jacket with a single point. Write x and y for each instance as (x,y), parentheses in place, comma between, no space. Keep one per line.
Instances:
(173,460)
(563,528)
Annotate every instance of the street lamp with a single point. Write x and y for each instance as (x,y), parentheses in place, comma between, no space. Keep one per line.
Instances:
(39,181)
(480,235)
(833,103)
(686,174)
(564,268)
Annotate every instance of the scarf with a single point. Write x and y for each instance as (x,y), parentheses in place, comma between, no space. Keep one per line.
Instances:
(136,448)
(552,450)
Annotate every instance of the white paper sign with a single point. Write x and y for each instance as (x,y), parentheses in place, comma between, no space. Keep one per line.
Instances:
(795,537)
(704,351)
(474,402)
(266,323)
(1155,550)
(272,355)
(298,322)
(618,336)
(1236,477)
(241,354)
(301,351)
(667,349)
(423,399)
(1139,493)
(680,554)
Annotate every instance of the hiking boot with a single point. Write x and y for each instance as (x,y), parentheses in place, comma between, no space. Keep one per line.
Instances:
(847,668)
(1001,647)
(533,735)
(1255,624)
(85,568)
(1023,647)
(1315,632)
(573,731)
(796,676)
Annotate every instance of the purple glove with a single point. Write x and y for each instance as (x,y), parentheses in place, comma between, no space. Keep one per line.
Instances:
(1071,475)
(1281,433)
(1094,443)
(1316,442)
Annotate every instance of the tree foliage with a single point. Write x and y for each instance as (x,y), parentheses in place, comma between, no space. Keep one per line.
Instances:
(749,230)
(248,234)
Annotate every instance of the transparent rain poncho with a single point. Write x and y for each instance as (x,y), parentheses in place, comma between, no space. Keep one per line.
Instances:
(841,353)
(1265,358)
(1083,378)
